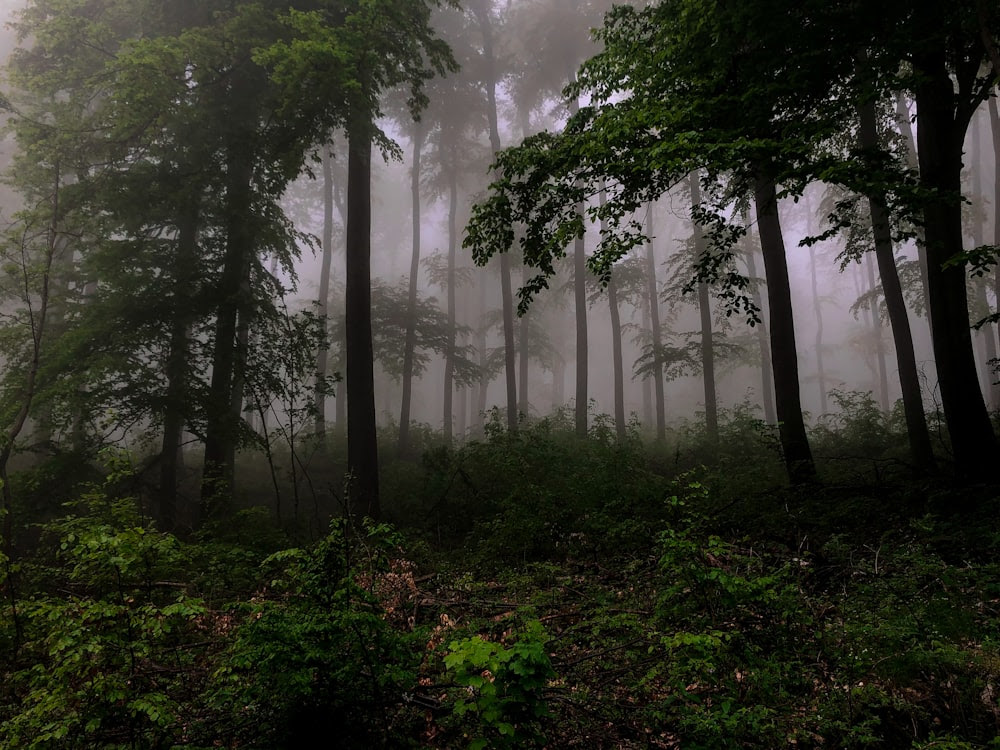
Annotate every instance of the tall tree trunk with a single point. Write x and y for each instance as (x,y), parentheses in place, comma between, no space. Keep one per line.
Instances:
(362,441)
(176,368)
(876,320)
(462,415)
(580,310)
(647,384)
(617,360)
(510,350)
(558,383)
(940,137)
(995,133)
(906,130)
(652,294)
(449,362)
(410,341)
(818,314)
(705,311)
(323,302)
(484,379)
(763,343)
(784,355)
(987,333)
(222,431)
(522,354)
(507,296)
(906,362)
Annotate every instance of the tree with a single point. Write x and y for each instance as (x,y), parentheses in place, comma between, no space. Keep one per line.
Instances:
(947,94)
(384,45)
(644,139)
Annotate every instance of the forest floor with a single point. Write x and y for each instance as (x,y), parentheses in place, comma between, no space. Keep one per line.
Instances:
(528,590)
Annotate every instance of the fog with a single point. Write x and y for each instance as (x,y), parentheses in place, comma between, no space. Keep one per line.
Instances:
(830,325)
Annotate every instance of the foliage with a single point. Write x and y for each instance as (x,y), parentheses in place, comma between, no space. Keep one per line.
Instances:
(313,654)
(501,686)
(114,649)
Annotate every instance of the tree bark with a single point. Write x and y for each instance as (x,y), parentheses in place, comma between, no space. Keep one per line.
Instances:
(995,133)
(176,369)
(986,333)
(580,308)
(506,295)
(222,431)
(818,315)
(909,380)
(410,340)
(362,441)
(906,130)
(523,356)
(705,311)
(323,301)
(784,355)
(617,360)
(484,379)
(763,343)
(940,136)
(449,362)
(653,297)
(876,321)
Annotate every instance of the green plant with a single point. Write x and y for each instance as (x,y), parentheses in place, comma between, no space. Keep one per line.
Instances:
(111,655)
(313,654)
(501,687)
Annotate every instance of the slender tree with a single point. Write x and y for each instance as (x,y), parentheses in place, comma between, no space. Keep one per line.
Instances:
(909,381)
(411,337)
(705,312)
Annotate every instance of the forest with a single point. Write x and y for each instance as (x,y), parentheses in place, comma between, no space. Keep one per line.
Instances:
(480,374)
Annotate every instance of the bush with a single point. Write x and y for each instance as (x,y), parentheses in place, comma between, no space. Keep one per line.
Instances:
(313,656)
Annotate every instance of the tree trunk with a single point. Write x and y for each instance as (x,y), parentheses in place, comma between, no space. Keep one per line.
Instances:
(647,385)
(176,369)
(507,296)
(784,355)
(995,133)
(899,322)
(705,310)
(484,379)
(449,362)
(461,416)
(222,431)
(652,294)
(323,302)
(510,349)
(986,333)
(940,137)
(362,442)
(906,130)
(818,314)
(763,343)
(522,355)
(876,320)
(617,361)
(580,309)
(410,341)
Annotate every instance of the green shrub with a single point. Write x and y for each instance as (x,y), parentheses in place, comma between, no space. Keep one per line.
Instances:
(110,657)
(501,702)
(313,656)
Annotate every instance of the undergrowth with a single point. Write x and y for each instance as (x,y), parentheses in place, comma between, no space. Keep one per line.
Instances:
(534,590)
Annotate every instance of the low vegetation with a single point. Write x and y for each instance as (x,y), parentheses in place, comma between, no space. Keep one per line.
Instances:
(533,590)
